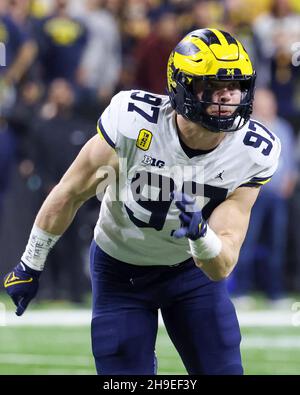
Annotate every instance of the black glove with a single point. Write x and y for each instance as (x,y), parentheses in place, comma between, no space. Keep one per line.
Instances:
(22,284)
(193,225)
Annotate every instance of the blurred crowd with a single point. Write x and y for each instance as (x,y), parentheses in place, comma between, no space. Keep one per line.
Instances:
(66,59)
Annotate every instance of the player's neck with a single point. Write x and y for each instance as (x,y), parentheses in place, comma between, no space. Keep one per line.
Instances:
(195,136)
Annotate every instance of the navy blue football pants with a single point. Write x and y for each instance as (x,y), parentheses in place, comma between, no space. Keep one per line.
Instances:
(198,315)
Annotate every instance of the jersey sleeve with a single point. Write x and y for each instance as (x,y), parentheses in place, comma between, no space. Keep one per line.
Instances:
(108,123)
(264,162)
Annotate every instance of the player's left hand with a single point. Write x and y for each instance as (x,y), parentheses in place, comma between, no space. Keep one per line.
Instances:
(22,284)
(193,225)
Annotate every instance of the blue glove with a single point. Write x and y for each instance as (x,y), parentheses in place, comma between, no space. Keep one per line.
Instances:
(22,284)
(193,225)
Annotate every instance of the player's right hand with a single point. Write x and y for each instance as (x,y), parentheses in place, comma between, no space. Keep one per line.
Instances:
(22,284)
(193,225)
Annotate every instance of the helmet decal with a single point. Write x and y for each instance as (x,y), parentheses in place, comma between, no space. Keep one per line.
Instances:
(186,48)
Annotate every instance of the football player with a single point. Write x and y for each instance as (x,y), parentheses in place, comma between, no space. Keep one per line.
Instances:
(167,238)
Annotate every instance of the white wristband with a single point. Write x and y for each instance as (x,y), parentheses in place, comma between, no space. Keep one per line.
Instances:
(206,247)
(38,247)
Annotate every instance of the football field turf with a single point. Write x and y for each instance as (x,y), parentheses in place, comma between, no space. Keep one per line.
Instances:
(66,350)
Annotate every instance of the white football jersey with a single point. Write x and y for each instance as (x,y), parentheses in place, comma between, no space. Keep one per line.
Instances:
(137,217)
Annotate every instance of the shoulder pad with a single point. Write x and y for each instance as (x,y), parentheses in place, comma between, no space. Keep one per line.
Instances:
(140,110)
(108,123)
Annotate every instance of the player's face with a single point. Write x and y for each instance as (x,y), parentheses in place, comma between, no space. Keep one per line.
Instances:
(221,92)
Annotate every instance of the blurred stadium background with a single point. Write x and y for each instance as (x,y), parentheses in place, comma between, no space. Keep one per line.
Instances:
(64,61)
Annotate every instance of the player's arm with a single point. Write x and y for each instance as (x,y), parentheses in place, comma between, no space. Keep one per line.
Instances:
(230,222)
(56,214)
(215,246)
